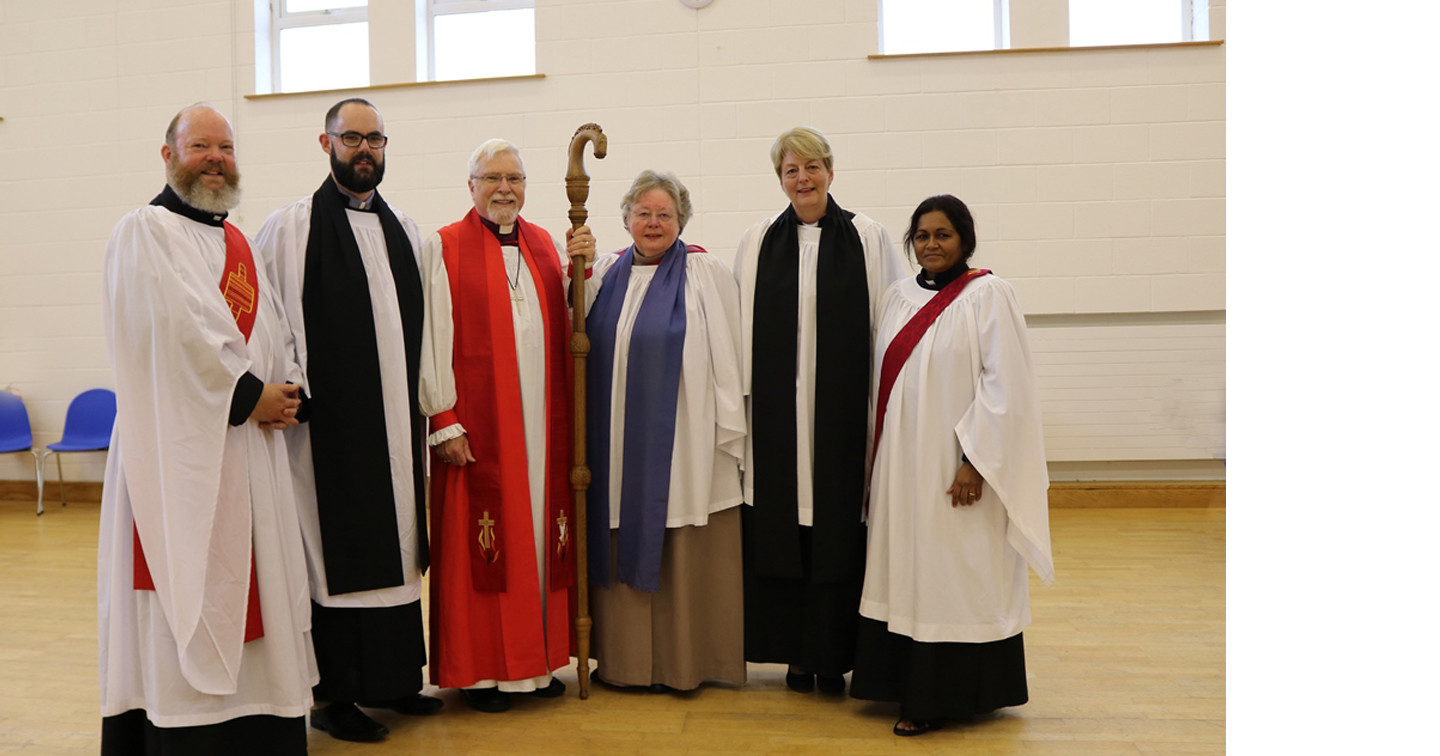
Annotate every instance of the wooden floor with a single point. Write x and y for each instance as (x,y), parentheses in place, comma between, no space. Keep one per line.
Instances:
(1126,656)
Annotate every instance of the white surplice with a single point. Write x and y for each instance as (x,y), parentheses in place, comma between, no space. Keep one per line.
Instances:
(200,491)
(883,266)
(709,417)
(282,243)
(936,572)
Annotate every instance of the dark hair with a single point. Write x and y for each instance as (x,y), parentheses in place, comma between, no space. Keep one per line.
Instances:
(333,114)
(959,216)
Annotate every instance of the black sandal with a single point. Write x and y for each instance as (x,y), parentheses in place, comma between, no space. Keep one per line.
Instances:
(918,727)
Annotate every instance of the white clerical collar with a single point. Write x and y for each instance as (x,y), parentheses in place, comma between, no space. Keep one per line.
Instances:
(355,201)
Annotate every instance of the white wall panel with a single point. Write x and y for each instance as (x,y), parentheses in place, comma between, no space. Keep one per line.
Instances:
(1097,177)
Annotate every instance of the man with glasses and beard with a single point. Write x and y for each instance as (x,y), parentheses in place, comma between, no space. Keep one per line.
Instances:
(346,267)
(197,485)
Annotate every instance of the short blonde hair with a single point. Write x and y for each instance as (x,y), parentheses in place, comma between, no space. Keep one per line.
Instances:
(805,143)
(489,149)
(648,180)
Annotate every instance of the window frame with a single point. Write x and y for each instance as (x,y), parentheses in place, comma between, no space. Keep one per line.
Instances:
(1000,11)
(1194,27)
(1194,20)
(427,10)
(281,20)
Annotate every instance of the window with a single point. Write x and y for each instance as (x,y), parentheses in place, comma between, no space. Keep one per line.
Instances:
(474,39)
(307,45)
(925,26)
(314,44)
(1131,22)
(921,26)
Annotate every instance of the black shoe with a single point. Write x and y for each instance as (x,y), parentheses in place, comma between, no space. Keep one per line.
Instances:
(660,688)
(414,705)
(800,682)
(345,722)
(554,690)
(832,685)
(491,700)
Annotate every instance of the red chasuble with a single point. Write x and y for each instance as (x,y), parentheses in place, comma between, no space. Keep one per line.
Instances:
(486,620)
(240,287)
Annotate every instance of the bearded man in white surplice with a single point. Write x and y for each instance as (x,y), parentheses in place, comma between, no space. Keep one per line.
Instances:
(346,266)
(204,613)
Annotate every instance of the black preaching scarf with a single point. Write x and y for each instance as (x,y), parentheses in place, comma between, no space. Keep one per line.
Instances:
(348,439)
(842,400)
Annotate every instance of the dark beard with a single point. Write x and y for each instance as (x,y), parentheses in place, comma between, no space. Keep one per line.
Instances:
(346,176)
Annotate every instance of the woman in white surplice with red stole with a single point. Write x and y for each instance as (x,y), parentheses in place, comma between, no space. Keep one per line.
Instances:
(957,502)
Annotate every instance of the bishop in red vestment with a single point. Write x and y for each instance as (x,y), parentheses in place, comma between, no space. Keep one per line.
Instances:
(498,387)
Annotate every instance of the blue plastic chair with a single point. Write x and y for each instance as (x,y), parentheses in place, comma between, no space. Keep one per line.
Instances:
(15,437)
(88,423)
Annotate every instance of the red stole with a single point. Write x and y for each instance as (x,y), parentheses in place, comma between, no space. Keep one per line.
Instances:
(488,400)
(909,336)
(239,285)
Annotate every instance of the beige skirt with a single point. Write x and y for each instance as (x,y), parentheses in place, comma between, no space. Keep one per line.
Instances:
(692,629)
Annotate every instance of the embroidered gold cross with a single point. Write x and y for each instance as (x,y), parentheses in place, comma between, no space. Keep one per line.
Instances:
(239,294)
(487,537)
(562,538)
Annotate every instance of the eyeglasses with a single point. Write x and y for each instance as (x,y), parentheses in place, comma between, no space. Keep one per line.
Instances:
(494,179)
(353,138)
(644,216)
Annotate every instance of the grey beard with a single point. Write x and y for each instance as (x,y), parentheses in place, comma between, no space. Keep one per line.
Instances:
(211,201)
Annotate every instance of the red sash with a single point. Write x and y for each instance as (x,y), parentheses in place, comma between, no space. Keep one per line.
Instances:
(488,401)
(239,285)
(909,336)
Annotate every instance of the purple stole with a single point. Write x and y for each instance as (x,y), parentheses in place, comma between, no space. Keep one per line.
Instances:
(652,385)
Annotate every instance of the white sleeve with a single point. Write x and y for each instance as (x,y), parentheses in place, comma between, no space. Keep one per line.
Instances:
(883,264)
(177,355)
(280,245)
(721,303)
(437,345)
(1001,433)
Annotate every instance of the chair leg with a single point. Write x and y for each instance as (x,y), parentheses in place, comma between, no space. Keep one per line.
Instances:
(39,482)
(60,470)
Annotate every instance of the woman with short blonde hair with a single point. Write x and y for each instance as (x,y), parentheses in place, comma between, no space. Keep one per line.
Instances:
(810,278)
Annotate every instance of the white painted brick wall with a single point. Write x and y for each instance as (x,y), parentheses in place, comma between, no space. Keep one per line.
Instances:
(1097,176)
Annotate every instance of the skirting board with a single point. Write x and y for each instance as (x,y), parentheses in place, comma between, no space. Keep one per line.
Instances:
(1063,494)
(1137,494)
(24,490)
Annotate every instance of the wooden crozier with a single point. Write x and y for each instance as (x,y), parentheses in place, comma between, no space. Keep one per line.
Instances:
(577,189)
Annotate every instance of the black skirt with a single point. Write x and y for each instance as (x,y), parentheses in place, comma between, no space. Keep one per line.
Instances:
(938,680)
(799,621)
(132,734)
(368,654)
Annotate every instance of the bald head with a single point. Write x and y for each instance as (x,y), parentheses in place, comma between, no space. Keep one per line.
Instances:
(185,113)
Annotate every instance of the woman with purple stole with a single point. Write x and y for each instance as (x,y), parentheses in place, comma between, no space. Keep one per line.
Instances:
(957,506)
(666,433)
